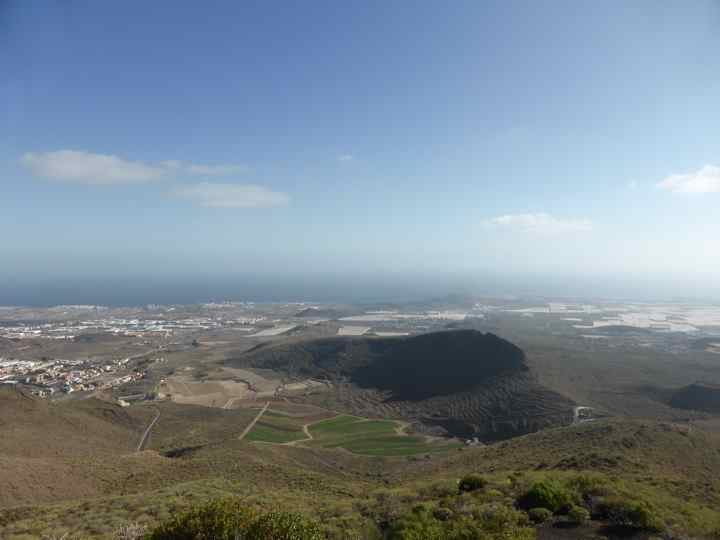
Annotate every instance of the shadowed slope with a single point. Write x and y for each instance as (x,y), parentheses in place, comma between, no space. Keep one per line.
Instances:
(698,396)
(466,382)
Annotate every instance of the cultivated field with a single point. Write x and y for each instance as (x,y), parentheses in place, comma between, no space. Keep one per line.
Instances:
(324,429)
(274,427)
(371,437)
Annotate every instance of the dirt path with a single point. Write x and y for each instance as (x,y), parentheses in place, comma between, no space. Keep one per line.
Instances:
(308,436)
(229,403)
(254,421)
(401,427)
(146,434)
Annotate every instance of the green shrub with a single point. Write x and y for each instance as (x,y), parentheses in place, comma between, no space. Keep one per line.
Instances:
(230,519)
(384,507)
(442,514)
(283,526)
(539,515)
(438,490)
(417,525)
(493,521)
(546,494)
(578,515)
(591,484)
(496,517)
(472,482)
(216,520)
(630,513)
(489,522)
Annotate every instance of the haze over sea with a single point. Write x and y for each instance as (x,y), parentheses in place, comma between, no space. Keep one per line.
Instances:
(358,288)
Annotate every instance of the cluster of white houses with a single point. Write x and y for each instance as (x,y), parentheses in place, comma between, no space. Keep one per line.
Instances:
(45,378)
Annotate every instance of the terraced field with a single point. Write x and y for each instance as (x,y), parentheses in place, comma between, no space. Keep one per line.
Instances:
(353,433)
(275,427)
(370,437)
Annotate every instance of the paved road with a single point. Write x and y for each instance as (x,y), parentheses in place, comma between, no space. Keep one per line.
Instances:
(254,421)
(146,435)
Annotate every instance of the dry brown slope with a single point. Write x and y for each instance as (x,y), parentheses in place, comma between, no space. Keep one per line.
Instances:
(34,427)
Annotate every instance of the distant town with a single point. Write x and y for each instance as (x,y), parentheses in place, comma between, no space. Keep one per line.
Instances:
(45,378)
(62,350)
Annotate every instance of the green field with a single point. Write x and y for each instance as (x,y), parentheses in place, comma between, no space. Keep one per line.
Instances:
(370,437)
(264,433)
(353,433)
(276,428)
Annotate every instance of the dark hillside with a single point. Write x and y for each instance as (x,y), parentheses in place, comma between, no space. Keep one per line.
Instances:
(439,364)
(411,368)
(462,382)
(698,396)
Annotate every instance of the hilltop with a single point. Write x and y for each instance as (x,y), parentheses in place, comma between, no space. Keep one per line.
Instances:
(463,382)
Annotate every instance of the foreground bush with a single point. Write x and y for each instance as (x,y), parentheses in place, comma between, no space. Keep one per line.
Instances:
(630,513)
(591,485)
(539,515)
(471,482)
(578,515)
(488,521)
(283,526)
(546,494)
(215,520)
(130,531)
(230,519)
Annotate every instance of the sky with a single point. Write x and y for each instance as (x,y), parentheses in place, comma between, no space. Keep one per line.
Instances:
(561,147)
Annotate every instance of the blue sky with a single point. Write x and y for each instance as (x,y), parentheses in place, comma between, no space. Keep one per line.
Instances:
(572,140)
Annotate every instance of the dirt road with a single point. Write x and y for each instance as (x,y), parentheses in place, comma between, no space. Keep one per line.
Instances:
(254,421)
(146,435)
(308,437)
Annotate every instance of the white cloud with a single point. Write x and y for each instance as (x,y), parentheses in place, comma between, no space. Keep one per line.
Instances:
(87,168)
(205,170)
(705,180)
(101,169)
(540,223)
(211,195)
(346,157)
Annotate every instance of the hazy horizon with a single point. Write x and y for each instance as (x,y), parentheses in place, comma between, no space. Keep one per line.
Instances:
(326,288)
(354,151)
